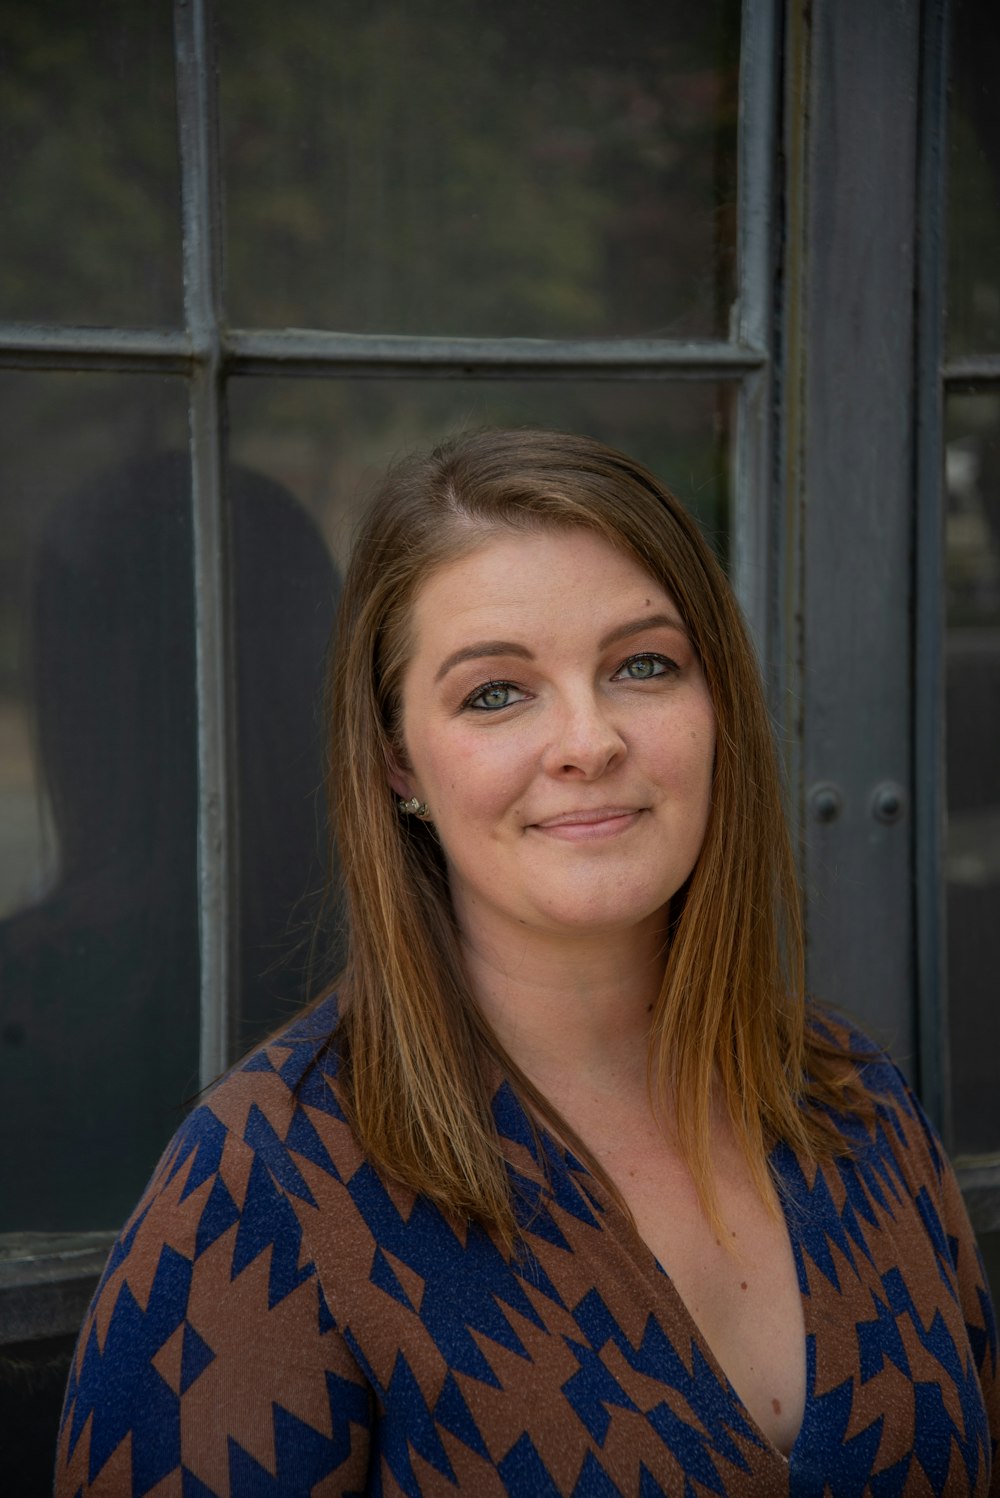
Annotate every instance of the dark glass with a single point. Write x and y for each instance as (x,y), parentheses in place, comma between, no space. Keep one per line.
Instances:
(285,589)
(328,441)
(99,977)
(973,765)
(974,179)
(89,190)
(989,1247)
(487,169)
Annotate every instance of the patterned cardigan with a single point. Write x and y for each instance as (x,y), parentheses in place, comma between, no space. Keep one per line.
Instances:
(276,1319)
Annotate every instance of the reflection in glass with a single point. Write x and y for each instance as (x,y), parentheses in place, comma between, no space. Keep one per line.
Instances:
(989,1247)
(98,920)
(973,764)
(89,192)
(328,441)
(286,589)
(974,179)
(481,169)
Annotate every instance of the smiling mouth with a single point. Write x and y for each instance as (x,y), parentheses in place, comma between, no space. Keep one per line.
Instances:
(604,821)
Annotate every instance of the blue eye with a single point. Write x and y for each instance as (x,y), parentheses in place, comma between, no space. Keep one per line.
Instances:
(644,668)
(491,697)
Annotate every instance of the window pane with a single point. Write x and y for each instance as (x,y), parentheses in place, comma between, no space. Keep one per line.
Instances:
(482,169)
(327,441)
(286,589)
(306,453)
(98,793)
(89,194)
(989,1247)
(974,179)
(973,763)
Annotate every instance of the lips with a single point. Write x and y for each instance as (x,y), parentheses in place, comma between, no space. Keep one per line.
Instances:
(588,818)
(588,825)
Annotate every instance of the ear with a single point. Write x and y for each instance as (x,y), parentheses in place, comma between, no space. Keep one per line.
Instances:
(398,775)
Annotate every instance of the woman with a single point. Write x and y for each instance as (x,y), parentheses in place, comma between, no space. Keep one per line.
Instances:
(564,1192)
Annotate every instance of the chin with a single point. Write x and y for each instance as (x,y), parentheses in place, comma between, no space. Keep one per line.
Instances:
(602,918)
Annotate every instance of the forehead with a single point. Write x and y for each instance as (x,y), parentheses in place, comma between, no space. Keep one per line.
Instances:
(534,579)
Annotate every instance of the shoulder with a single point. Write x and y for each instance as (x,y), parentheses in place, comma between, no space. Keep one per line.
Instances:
(893,1173)
(244,1156)
(279,1101)
(297,1064)
(271,1132)
(213,1320)
(841,1032)
(836,1033)
(248,1170)
(894,1123)
(895,1292)
(299,1056)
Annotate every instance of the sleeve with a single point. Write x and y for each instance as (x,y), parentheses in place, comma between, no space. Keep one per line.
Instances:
(209,1355)
(937,1198)
(959,1249)
(977,1308)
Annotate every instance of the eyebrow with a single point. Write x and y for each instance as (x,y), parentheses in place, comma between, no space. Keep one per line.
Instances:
(637,626)
(482,649)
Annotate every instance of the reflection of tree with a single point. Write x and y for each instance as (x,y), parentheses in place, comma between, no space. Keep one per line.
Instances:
(328,440)
(973,513)
(492,169)
(89,187)
(399,166)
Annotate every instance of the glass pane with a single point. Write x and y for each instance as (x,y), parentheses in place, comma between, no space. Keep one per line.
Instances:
(989,1247)
(305,455)
(482,169)
(973,765)
(286,589)
(327,441)
(98,793)
(89,191)
(974,180)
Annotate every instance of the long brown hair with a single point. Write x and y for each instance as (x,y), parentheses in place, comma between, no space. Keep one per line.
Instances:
(416,1055)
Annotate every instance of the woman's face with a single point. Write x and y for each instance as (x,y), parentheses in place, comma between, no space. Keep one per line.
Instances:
(557,723)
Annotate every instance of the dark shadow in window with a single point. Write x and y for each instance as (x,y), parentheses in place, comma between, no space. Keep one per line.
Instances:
(99,978)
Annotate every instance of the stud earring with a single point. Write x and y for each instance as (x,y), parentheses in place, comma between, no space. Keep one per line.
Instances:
(414,807)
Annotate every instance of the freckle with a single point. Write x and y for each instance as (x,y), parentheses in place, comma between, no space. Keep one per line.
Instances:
(776,1406)
(743,1284)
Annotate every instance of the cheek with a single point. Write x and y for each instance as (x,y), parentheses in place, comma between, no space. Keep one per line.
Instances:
(475,780)
(688,770)
(457,767)
(704,737)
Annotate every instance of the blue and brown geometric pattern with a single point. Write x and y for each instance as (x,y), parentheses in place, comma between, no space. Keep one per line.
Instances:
(278,1320)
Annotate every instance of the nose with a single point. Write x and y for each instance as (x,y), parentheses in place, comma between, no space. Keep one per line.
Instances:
(585,741)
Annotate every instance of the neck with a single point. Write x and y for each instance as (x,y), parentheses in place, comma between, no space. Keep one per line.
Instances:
(569,1010)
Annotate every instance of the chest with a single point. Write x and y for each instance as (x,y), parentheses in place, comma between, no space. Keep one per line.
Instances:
(735,1276)
(580,1368)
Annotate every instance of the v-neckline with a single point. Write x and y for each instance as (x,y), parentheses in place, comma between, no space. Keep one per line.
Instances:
(662,1278)
(646,1260)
